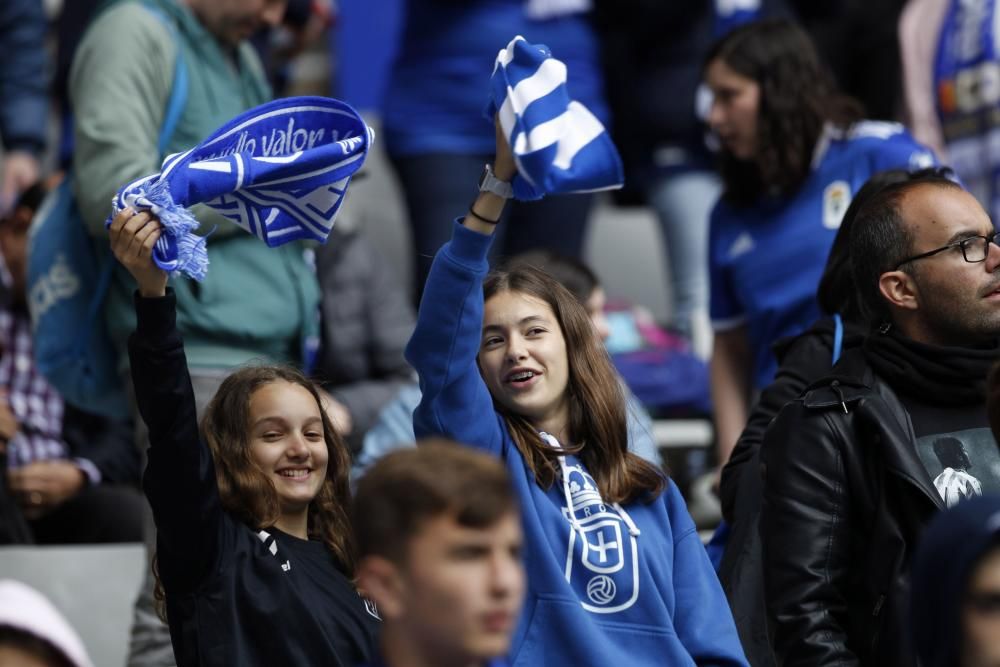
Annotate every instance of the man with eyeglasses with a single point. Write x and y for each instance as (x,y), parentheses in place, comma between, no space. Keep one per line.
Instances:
(849,467)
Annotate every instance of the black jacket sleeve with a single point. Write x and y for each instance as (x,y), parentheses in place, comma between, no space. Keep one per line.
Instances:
(802,360)
(806,536)
(180,479)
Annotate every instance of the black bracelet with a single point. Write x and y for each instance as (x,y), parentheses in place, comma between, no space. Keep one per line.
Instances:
(479,217)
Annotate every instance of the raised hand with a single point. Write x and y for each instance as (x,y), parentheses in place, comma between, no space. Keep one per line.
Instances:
(133,236)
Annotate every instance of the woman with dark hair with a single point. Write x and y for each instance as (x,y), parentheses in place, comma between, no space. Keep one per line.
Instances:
(510,362)
(793,153)
(254,548)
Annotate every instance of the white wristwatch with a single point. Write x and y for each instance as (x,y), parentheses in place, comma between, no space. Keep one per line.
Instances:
(488,182)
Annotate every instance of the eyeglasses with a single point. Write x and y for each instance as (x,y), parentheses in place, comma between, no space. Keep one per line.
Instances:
(975,249)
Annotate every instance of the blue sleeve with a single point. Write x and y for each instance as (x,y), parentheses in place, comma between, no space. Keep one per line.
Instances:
(902,151)
(640,429)
(702,619)
(455,402)
(24,104)
(724,305)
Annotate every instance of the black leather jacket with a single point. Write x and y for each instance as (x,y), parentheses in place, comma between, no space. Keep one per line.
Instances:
(845,500)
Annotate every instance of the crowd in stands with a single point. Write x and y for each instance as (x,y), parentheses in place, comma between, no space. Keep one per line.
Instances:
(326,468)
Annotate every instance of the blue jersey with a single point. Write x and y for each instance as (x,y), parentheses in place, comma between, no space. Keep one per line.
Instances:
(966,70)
(766,260)
(440,81)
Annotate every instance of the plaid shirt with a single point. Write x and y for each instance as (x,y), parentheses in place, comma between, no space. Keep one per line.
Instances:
(35,404)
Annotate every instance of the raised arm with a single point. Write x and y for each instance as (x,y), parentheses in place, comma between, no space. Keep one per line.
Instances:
(180,478)
(443,349)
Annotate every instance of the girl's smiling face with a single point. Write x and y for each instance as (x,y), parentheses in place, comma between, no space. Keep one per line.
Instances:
(287,443)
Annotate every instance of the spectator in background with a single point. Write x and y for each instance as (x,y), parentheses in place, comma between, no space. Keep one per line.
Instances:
(653,53)
(955,601)
(848,467)
(434,128)
(73,476)
(33,633)
(793,153)
(366,320)
(24,103)
(439,551)
(303,24)
(950,61)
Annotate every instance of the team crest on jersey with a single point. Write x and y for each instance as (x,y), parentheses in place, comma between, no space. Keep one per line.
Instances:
(836,199)
(602,561)
(921,160)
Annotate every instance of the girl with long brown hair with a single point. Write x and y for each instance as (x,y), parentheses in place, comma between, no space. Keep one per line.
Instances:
(254,548)
(793,152)
(510,363)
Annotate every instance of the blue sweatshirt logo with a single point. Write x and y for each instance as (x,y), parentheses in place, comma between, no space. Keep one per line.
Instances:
(602,560)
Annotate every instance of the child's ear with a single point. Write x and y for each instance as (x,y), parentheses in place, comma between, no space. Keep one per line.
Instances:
(380,581)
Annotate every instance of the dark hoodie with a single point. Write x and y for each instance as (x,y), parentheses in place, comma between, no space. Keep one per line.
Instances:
(952,545)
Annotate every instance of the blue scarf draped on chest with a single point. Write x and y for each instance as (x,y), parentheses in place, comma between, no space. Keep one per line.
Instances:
(280,171)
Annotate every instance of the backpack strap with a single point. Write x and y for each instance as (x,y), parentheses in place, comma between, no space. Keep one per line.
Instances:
(179,88)
(171,117)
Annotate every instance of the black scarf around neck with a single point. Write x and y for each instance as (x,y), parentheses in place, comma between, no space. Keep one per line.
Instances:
(933,373)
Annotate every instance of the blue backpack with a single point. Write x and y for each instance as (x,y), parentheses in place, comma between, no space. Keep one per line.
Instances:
(68,279)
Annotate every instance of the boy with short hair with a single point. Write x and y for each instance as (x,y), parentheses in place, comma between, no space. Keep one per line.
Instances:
(439,545)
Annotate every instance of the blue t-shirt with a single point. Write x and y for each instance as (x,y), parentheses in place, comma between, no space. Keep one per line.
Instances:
(765,260)
(968,100)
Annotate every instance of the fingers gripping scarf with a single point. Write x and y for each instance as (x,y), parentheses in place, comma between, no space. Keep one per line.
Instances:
(558,144)
(279,171)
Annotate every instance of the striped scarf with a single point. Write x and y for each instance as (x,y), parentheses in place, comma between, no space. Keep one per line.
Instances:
(279,171)
(558,144)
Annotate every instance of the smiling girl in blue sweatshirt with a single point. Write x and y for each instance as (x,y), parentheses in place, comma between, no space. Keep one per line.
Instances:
(509,362)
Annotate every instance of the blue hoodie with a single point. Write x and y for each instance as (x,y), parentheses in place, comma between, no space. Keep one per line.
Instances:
(607,585)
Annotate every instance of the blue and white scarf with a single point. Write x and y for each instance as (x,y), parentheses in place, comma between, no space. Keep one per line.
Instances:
(558,144)
(279,171)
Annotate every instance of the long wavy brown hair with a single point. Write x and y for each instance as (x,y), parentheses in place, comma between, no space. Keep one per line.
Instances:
(246,492)
(597,413)
(797,98)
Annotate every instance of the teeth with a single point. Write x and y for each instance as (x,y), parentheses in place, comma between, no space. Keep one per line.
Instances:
(526,375)
(294,473)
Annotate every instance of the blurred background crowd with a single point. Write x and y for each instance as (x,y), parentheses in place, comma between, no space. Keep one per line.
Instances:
(689,329)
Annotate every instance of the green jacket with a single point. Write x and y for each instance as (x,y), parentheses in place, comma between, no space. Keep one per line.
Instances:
(257,302)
